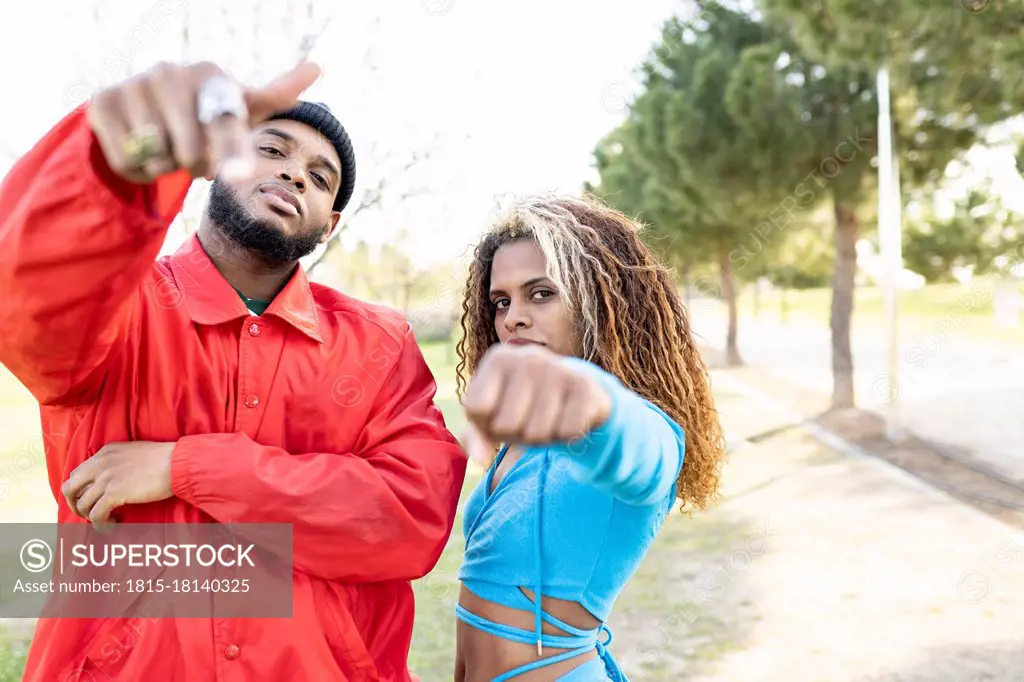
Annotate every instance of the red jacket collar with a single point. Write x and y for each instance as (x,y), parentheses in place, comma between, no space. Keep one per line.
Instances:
(211,300)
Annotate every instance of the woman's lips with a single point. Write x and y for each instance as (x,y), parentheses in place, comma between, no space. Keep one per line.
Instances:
(524,342)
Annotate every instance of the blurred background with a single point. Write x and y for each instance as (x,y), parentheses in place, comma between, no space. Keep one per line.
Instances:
(837,186)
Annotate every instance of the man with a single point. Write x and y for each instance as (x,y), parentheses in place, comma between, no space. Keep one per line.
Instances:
(218,384)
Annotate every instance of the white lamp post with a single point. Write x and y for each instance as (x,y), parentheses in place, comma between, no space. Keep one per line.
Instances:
(891,246)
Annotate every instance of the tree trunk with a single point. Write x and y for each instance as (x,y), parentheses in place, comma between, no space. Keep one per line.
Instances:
(406,294)
(732,353)
(847,229)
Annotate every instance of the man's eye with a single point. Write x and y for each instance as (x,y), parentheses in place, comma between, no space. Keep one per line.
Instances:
(271,150)
(321,180)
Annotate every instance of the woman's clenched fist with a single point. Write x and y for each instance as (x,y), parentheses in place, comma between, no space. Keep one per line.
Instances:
(527,395)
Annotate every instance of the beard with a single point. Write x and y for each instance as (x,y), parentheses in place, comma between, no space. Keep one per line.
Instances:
(260,236)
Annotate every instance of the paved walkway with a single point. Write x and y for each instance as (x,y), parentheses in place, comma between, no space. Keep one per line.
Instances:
(867,574)
(954,390)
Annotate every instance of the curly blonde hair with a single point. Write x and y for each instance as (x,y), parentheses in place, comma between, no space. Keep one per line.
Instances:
(628,310)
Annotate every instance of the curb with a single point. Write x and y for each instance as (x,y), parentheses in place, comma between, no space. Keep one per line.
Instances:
(840,444)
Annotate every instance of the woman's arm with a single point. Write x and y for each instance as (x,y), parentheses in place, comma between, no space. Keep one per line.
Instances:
(533,397)
(635,454)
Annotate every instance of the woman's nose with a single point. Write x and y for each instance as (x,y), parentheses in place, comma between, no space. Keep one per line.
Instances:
(516,318)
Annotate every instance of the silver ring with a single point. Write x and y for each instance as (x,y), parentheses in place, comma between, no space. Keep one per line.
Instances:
(220,96)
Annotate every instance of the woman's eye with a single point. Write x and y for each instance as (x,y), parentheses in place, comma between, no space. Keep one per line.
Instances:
(542,294)
(271,150)
(500,303)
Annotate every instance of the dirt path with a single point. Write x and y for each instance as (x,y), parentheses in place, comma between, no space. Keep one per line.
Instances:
(859,573)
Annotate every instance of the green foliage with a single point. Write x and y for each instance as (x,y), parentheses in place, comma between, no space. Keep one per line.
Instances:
(682,162)
(431,322)
(976,235)
(965,46)
(737,136)
(13,652)
(806,259)
(430,297)
(750,120)
(808,124)
(955,66)
(745,123)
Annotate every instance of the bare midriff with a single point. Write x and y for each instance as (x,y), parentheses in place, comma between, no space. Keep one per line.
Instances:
(480,656)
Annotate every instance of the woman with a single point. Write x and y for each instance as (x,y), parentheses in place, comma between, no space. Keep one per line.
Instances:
(583,363)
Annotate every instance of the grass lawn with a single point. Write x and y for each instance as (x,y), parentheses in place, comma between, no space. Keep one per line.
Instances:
(969,307)
(24,491)
(662,627)
(13,649)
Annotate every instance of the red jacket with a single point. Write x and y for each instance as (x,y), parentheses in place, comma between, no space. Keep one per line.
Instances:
(318,413)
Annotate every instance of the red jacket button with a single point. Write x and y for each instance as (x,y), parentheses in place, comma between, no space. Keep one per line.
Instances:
(251,400)
(231,652)
(254,329)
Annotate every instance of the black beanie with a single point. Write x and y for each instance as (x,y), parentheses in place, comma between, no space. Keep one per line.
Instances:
(318,116)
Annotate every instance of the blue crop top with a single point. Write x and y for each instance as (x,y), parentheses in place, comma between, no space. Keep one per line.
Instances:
(572,521)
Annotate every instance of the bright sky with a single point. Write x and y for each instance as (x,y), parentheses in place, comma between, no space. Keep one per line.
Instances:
(510,96)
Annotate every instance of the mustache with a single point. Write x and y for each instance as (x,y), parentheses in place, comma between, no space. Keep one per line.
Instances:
(259,236)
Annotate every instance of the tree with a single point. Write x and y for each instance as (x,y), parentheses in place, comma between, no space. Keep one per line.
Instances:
(825,72)
(622,185)
(965,55)
(828,114)
(682,161)
(974,236)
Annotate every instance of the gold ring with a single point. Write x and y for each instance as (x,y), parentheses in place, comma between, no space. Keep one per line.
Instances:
(144,144)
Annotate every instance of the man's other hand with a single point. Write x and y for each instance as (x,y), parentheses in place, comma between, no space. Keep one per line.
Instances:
(119,474)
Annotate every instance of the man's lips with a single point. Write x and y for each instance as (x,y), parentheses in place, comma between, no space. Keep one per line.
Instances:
(282,199)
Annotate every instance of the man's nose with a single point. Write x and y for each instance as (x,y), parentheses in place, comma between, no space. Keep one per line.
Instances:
(292,176)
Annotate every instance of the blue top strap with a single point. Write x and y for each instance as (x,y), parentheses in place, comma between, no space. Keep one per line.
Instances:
(577,643)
